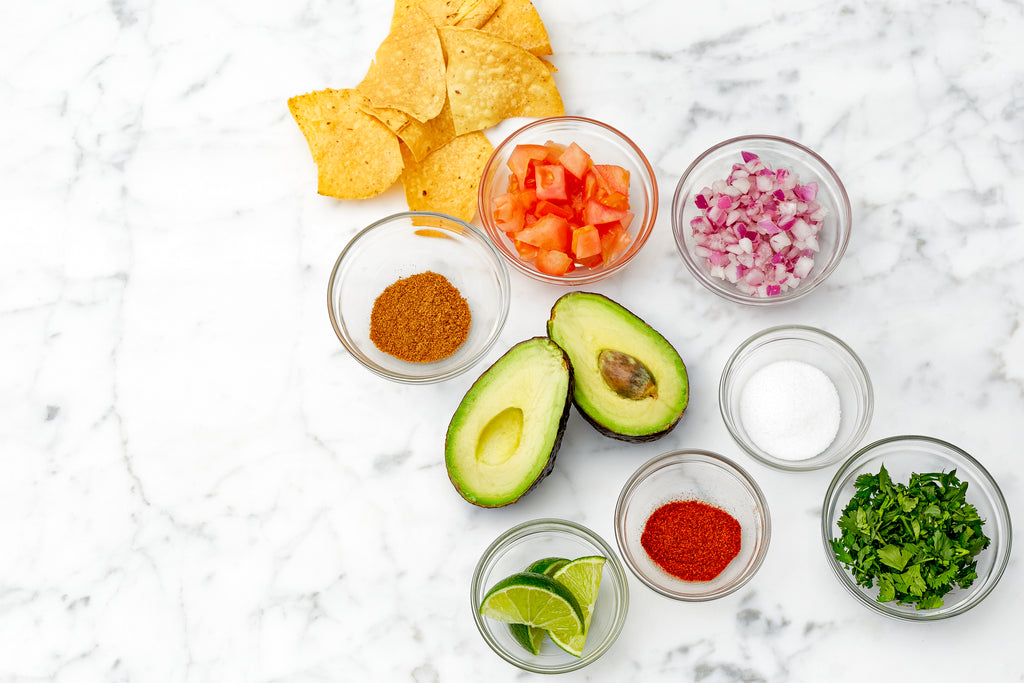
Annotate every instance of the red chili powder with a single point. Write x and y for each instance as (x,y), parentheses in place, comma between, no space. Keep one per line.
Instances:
(691,540)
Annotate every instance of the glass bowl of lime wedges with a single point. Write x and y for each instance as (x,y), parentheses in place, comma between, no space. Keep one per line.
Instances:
(549,596)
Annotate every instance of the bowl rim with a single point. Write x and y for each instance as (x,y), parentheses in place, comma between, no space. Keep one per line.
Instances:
(842,575)
(815,462)
(724,289)
(501,315)
(643,233)
(681,456)
(581,531)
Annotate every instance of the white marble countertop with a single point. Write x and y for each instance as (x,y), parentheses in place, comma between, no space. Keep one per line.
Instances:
(200,484)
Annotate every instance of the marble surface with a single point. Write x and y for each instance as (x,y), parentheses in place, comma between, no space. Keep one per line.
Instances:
(199,484)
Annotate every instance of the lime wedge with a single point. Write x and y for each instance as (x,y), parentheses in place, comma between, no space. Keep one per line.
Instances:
(548,565)
(583,579)
(530,637)
(534,600)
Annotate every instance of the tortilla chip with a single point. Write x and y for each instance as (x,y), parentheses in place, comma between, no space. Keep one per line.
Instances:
(421,138)
(475,13)
(469,13)
(490,79)
(355,154)
(408,70)
(447,180)
(517,21)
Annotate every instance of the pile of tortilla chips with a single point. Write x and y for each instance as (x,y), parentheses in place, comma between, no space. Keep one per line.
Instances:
(446,70)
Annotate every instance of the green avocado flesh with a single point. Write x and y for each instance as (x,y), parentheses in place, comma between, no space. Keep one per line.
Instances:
(505,434)
(630,383)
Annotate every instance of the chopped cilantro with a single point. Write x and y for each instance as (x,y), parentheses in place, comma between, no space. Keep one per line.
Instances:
(917,540)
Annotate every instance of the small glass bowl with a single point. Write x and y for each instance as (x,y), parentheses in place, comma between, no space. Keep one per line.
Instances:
(693,475)
(716,164)
(402,245)
(605,145)
(518,548)
(902,456)
(814,347)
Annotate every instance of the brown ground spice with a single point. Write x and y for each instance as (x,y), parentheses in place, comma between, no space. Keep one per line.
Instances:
(421,318)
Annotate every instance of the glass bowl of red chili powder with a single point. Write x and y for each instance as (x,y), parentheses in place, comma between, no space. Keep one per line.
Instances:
(692,525)
(418,297)
(518,548)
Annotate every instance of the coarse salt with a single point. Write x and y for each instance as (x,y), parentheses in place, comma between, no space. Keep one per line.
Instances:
(790,410)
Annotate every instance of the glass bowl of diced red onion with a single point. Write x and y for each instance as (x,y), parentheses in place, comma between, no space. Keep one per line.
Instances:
(761,220)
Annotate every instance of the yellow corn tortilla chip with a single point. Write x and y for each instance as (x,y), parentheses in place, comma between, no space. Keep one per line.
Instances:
(421,138)
(407,72)
(469,13)
(355,154)
(517,21)
(490,79)
(447,180)
(475,13)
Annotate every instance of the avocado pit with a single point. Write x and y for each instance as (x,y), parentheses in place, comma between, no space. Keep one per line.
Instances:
(626,375)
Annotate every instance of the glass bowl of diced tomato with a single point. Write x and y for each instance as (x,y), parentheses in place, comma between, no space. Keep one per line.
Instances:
(568,200)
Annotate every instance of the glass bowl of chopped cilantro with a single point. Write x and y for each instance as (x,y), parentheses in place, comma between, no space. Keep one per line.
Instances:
(418,297)
(916,529)
(549,596)
(761,220)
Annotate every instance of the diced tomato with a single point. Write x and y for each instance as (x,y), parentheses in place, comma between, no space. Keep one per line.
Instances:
(626,220)
(519,161)
(562,210)
(527,252)
(613,243)
(615,200)
(575,160)
(549,232)
(595,186)
(554,152)
(544,207)
(586,242)
(616,177)
(509,215)
(550,181)
(596,212)
(554,262)
(527,199)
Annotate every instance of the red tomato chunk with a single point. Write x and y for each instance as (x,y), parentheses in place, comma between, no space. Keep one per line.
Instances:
(563,211)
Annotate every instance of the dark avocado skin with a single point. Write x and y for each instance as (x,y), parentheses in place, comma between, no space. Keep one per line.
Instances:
(640,438)
(562,421)
(605,431)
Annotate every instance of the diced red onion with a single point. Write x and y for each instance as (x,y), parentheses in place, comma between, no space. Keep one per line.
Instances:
(758,228)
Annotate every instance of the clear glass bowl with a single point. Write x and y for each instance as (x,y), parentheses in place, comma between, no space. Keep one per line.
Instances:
(716,164)
(513,552)
(902,456)
(402,245)
(693,475)
(606,145)
(814,347)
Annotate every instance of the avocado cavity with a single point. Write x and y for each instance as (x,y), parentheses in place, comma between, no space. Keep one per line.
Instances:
(500,437)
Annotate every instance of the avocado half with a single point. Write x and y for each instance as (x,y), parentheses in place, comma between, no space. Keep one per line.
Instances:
(504,436)
(630,383)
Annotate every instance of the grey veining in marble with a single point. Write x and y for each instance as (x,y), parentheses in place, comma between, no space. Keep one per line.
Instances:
(197,483)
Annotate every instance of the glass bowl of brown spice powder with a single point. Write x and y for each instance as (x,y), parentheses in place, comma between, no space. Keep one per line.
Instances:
(418,297)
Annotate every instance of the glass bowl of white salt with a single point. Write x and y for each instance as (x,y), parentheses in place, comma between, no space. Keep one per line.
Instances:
(796,398)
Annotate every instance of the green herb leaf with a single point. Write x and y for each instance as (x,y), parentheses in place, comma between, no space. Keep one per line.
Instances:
(916,541)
